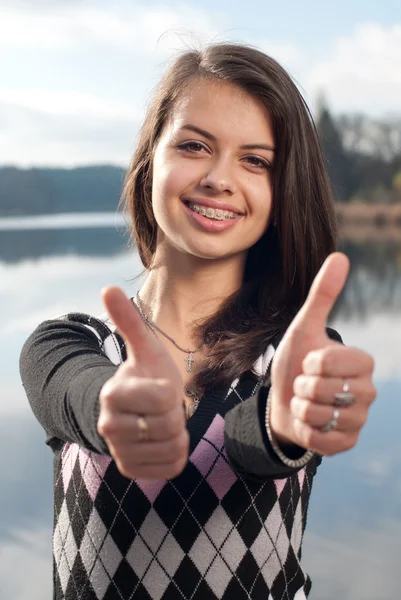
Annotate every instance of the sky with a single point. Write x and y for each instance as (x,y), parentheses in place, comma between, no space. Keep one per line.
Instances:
(75,75)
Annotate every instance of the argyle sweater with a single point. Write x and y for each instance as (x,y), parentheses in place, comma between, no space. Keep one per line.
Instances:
(230,526)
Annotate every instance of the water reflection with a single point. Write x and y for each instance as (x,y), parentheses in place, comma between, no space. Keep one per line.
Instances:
(353,536)
(16,246)
(375,279)
(359,564)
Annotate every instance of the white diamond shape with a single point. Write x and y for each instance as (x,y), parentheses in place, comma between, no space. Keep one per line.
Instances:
(296,533)
(274,521)
(233,550)
(218,577)
(100,580)
(170,555)
(282,544)
(92,540)
(202,552)
(156,581)
(110,555)
(139,557)
(219,526)
(64,572)
(262,547)
(272,557)
(70,548)
(57,544)
(271,569)
(63,522)
(153,530)
(88,552)
(97,529)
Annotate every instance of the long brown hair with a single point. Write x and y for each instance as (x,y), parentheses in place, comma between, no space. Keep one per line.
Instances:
(281,266)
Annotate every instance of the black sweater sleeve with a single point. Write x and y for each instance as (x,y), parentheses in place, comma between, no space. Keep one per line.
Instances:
(247,445)
(63,370)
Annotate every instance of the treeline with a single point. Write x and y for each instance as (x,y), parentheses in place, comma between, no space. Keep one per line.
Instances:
(50,191)
(363,158)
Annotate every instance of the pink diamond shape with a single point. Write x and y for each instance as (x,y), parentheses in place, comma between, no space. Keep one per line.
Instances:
(205,452)
(215,433)
(151,489)
(301,477)
(221,478)
(68,460)
(280,483)
(203,457)
(93,467)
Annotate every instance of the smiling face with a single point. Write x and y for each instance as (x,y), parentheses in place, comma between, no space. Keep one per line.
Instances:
(212,182)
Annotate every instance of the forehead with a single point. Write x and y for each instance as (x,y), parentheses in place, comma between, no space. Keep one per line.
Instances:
(223,109)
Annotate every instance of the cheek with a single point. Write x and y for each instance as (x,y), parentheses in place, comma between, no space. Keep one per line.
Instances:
(168,179)
(162,185)
(263,201)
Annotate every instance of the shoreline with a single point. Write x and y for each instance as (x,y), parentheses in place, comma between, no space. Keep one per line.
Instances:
(363,213)
(361,222)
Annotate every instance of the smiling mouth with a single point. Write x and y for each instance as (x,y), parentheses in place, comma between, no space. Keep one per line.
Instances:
(215,214)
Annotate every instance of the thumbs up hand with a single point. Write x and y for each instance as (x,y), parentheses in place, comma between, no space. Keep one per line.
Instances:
(309,368)
(144,395)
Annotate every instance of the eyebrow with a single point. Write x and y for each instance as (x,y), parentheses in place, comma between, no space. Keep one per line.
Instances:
(211,137)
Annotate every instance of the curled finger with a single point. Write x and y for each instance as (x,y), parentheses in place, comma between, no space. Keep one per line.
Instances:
(319,415)
(154,453)
(338,361)
(138,395)
(324,443)
(125,427)
(323,389)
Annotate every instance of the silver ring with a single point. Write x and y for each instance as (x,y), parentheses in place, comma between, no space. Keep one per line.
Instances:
(345,397)
(332,424)
(143,429)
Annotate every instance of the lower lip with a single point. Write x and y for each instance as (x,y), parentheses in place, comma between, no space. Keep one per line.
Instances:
(211,224)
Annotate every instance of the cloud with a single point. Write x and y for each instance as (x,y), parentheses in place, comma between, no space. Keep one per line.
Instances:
(88,76)
(125,26)
(66,103)
(64,128)
(87,67)
(363,70)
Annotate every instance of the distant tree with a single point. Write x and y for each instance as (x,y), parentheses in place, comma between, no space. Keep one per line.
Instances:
(397,185)
(48,191)
(339,161)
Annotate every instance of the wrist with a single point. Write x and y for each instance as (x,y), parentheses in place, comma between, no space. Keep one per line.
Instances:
(286,450)
(280,422)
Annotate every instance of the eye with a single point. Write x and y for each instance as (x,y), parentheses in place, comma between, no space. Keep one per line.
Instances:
(193,147)
(258,163)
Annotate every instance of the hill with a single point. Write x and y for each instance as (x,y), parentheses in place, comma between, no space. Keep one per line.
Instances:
(50,191)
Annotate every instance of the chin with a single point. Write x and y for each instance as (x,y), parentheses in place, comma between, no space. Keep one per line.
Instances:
(208,252)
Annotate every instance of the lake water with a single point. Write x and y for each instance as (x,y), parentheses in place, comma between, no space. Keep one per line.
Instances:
(352,548)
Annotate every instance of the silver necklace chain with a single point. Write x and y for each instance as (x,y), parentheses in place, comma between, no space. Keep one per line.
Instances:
(190,393)
(190,358)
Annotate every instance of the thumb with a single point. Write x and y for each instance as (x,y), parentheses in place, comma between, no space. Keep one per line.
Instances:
(129,323)
(324,291)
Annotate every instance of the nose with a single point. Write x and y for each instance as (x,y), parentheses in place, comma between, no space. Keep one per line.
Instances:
(219,179)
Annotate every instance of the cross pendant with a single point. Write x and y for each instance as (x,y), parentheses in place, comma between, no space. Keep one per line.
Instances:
(190,359)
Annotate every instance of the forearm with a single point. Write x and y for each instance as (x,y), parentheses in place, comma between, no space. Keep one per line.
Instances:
(63,371)
(247,445)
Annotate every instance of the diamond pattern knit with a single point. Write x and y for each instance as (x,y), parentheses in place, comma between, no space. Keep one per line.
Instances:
(207,534)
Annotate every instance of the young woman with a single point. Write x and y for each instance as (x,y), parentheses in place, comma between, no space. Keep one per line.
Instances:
(187,425)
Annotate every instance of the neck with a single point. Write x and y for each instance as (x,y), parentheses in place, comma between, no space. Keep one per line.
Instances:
(182,290)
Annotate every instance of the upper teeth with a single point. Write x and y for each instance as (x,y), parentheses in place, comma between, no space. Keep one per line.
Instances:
(213,213)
